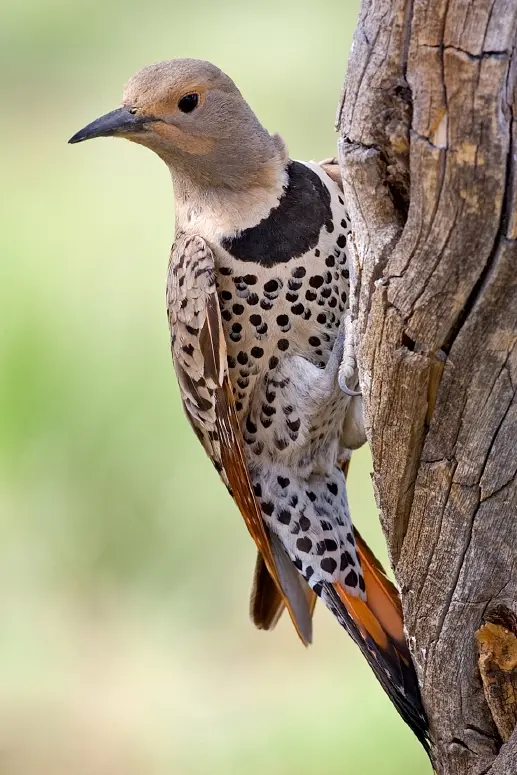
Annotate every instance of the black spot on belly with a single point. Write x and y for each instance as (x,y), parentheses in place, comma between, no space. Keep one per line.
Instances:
(329,565)
(351,579)
(304,544)
(271,286)
(284,516)
(294,425)
(293,227)
(250,425)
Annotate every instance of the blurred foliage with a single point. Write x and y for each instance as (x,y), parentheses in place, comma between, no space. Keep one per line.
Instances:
(125,645)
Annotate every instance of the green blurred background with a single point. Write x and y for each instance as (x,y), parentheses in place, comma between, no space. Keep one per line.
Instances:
(124,648)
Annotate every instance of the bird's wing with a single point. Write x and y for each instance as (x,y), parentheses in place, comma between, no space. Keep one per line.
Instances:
(199,353)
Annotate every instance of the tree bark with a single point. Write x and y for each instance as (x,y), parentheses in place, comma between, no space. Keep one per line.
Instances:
(427,152)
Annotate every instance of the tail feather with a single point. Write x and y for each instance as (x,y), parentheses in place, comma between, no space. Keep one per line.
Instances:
(383,597)
(376,626)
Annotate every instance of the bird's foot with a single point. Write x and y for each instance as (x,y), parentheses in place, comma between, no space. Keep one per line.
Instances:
(347,372)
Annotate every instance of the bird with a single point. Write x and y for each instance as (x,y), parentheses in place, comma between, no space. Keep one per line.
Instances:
(258,307)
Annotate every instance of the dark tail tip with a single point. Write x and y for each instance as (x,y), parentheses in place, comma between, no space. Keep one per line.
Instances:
(392,666)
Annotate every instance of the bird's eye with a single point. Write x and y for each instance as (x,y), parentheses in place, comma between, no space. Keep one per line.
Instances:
(188,103)
(132,111)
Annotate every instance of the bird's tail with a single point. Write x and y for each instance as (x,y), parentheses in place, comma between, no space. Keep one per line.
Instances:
(376,625)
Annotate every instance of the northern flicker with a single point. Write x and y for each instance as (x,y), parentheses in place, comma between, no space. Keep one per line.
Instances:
(257,300)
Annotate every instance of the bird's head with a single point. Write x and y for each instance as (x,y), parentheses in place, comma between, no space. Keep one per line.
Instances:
(193,116)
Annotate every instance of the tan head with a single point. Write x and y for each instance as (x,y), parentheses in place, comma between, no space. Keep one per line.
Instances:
(193,116)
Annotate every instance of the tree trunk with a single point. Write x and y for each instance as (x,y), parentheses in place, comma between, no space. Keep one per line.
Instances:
(427,152)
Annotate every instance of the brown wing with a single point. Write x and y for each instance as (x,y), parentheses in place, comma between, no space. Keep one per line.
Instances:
(199,354)
(266,602)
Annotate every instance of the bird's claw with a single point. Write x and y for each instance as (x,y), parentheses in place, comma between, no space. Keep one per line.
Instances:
(344,387)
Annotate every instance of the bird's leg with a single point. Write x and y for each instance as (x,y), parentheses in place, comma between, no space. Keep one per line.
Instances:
(347,371)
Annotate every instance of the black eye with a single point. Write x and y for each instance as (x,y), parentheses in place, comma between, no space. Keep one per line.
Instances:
(132,111)
(188,103)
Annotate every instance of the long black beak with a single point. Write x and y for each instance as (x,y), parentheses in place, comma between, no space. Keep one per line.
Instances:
(118,122)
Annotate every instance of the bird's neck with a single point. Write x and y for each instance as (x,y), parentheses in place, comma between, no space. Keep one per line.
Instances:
(217,211)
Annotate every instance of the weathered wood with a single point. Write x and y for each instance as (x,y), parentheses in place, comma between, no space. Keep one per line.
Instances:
(427,145)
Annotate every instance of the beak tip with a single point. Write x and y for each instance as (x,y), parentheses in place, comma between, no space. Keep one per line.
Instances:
(119,121)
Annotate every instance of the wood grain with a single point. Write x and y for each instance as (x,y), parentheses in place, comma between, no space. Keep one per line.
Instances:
(427,153)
